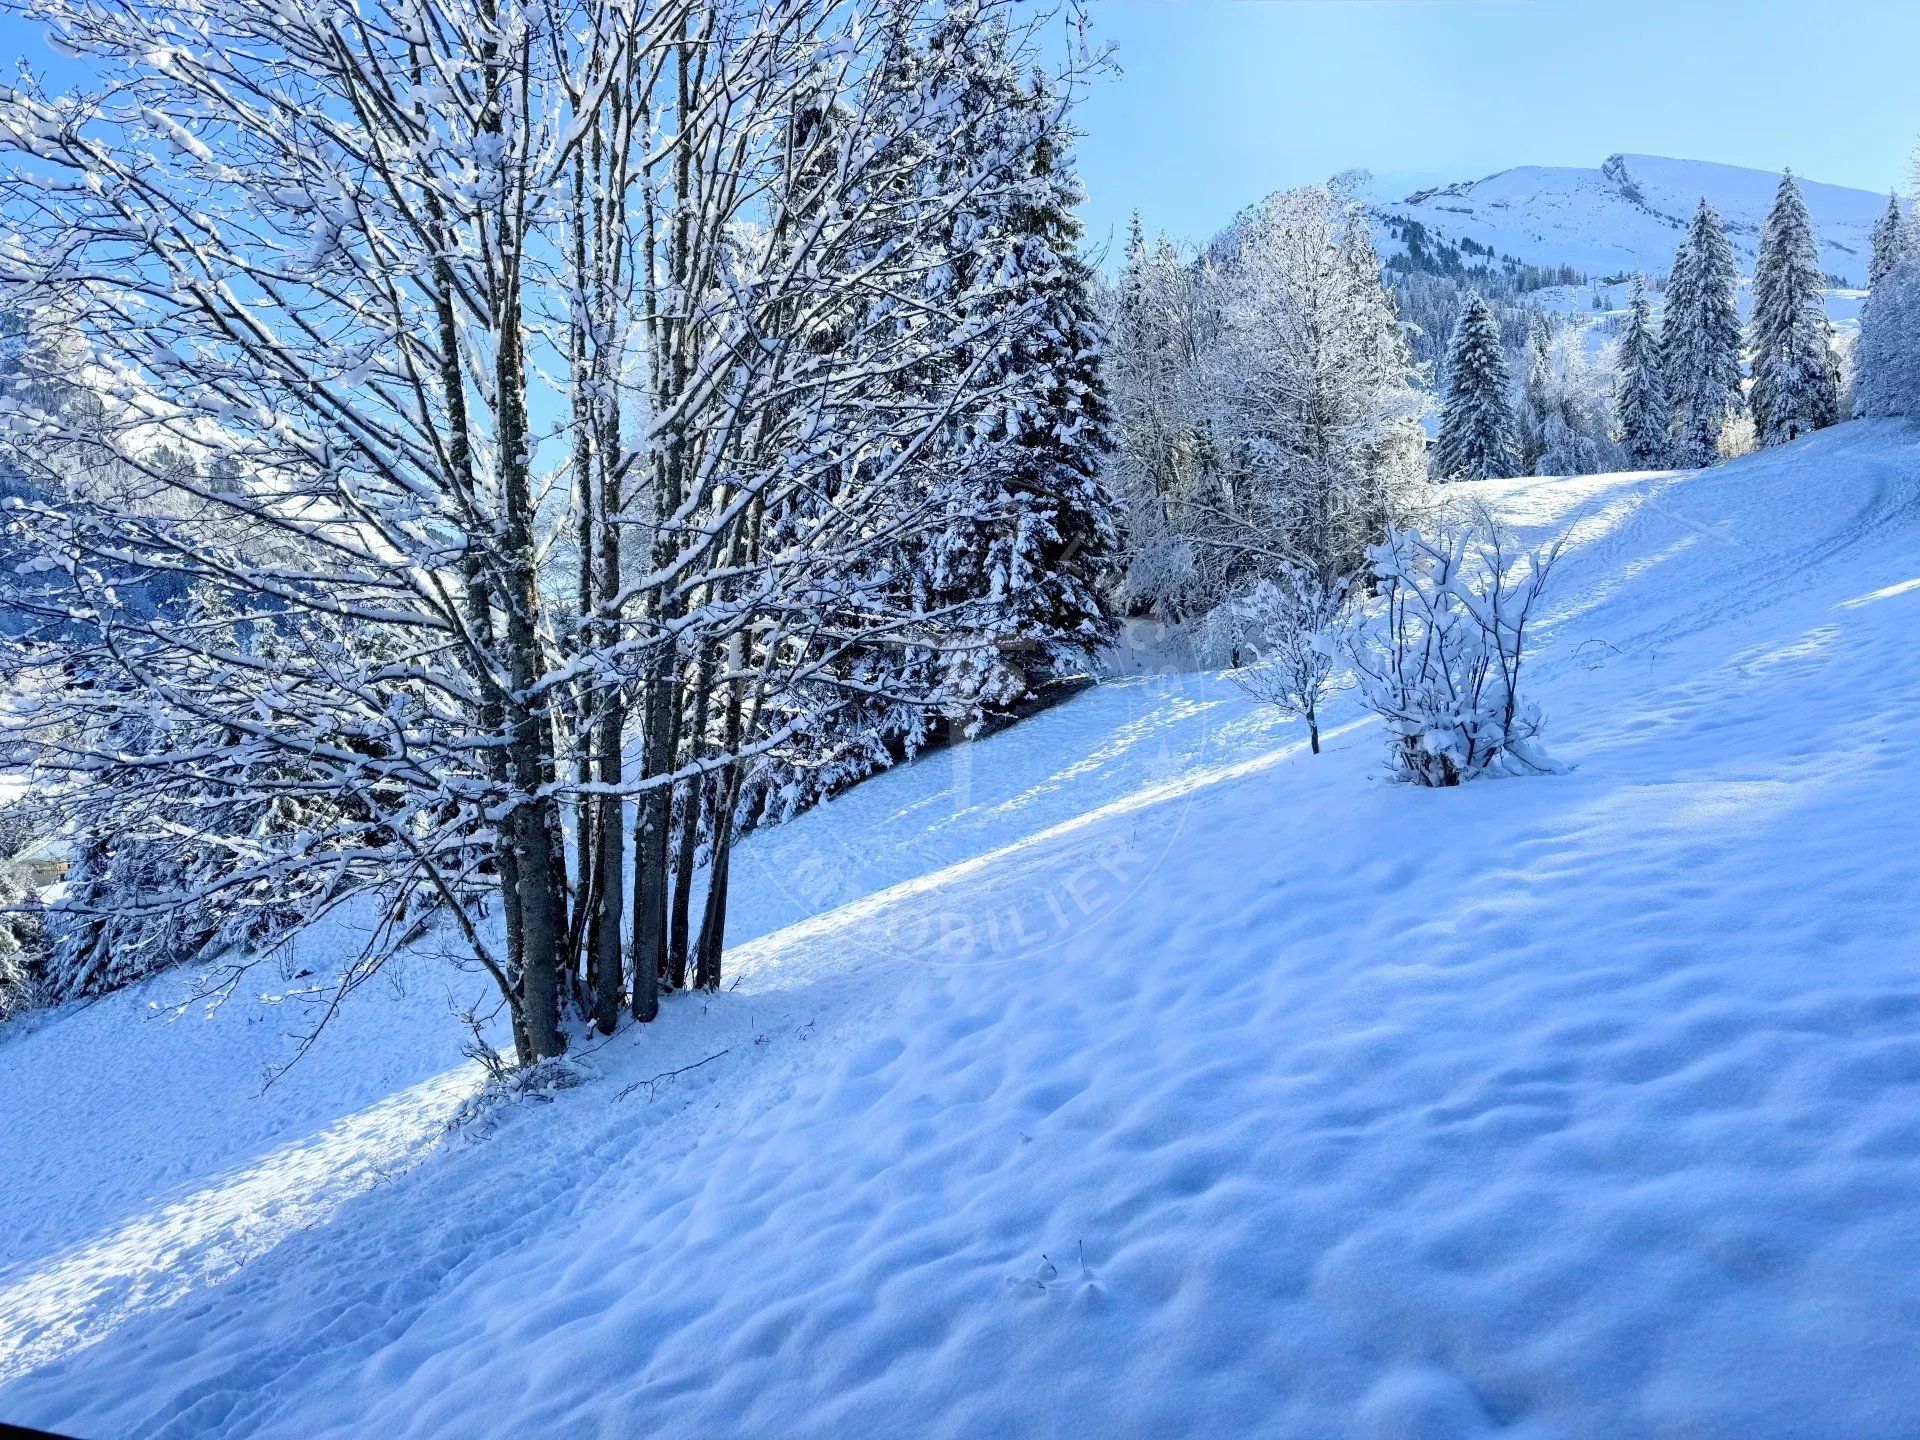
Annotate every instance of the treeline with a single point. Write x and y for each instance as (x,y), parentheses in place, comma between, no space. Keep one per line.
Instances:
(1679,395)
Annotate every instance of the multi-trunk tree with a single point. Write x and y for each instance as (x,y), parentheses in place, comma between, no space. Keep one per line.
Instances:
(1563,423)
(541,388)
(1266,407)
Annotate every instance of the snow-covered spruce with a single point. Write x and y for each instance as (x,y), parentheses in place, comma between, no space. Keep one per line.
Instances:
(1642,407)
(1700,340)
(1796,375)
(1887,357)
(1476,420)
(1892,243)
(1020,536)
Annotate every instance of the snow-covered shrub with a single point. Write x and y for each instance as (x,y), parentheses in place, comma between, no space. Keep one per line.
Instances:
(1440,660)
(1283,639)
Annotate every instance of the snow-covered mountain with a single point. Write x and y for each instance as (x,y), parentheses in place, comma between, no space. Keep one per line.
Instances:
(1627,215)
(1133,1072)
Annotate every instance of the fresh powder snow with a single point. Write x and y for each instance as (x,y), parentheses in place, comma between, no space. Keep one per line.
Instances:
(1133,1072)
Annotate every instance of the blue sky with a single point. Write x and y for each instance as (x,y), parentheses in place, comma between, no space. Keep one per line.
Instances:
(1222,101)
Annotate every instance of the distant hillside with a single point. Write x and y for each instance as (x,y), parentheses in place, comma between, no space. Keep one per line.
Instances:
(1628,215)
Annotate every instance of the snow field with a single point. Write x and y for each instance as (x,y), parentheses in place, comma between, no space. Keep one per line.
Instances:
(1132,1073)
(1631,213)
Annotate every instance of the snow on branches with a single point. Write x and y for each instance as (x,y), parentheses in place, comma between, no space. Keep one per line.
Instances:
(1440,659)
(530,411)
(1283,640)
(1266,404)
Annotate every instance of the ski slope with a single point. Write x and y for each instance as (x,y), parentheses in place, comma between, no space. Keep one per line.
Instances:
(1130,1073)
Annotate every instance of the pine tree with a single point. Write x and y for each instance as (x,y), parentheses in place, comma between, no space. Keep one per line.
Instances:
(1013,533)
(1892,243)
(1700,351)
(1476,424)
(1058,424)
(1883,372)
(1643,390)
(1536,398)
(1032,457)
(1796,376)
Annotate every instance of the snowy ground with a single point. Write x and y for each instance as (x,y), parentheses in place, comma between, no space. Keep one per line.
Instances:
(1131,1073)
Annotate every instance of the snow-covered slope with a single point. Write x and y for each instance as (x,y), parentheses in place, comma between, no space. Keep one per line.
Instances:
(1132,1073)
(1627,215)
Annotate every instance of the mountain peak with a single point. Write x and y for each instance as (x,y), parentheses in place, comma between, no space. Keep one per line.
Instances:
(1627,215)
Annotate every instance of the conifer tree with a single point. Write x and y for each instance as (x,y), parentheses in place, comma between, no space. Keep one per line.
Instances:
(1032,457)
(1883,373)
(1476,423)
(1796,377)
(1643,391)
(1015,529)
(1892,243)
(1536,398)
(1700,353)
(1058,426)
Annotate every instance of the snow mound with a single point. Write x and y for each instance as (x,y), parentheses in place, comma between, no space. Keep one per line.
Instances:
(1134,1073)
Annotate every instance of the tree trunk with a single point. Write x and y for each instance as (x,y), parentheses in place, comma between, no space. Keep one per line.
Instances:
(650,839)
(691,815)
(611,897)
(713,924)
(529,756)
(611,737)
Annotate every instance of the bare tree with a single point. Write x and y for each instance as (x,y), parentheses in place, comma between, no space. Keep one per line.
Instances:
(1266,402)
(468,361)
(1284,640)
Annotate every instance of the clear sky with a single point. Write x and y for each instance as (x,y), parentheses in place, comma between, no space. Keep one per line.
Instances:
(1222,101)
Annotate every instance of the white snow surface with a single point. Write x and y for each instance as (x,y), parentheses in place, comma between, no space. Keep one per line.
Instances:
(1132,1073)
(1631,213)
